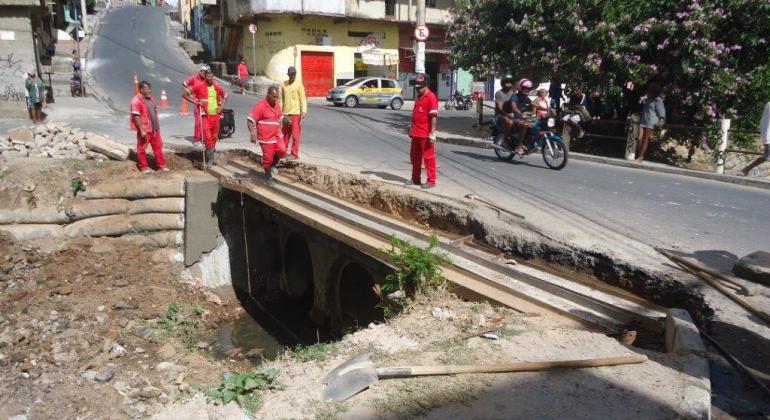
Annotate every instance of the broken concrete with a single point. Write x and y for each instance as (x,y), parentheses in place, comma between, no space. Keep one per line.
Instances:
(754,267)
(202,230)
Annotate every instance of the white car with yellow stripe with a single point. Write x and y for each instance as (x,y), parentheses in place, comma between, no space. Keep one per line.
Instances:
(367,91)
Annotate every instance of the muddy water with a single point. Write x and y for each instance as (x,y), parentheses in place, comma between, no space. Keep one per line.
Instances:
(245,333)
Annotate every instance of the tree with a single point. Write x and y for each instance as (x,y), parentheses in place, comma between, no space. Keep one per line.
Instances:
(705,52)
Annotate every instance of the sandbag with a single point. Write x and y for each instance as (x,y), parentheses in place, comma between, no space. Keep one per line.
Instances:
(157,205)
(172,238)
(79,209)
(122,224)
(107,147)
(30,232)
(40,215)
(135,188)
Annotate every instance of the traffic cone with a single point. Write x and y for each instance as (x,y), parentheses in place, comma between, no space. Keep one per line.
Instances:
(183,109)
(163,100)
(136,84)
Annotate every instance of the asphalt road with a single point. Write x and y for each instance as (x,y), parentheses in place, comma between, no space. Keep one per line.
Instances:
(714,221)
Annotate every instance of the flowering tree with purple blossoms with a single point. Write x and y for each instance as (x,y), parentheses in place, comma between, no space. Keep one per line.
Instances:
(712,56)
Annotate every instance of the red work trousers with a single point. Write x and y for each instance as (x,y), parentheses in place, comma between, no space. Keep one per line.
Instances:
(271,151)
(197,135)
(210,130)
(156,143)
(293,131)
(423,150)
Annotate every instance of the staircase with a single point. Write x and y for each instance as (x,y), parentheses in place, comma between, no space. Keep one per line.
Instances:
(60,68)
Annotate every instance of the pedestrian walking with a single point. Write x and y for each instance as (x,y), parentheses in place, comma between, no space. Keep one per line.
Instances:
(295,109)
(653,114)
(187,85)
(764,137)
(210,100)
(37,98)
(264,124)
(243,75)
(423,133)
(144,120)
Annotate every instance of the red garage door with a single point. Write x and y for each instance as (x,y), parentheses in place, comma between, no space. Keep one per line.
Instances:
(317,72)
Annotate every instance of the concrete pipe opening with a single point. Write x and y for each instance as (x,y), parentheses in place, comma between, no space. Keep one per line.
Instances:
(357,298)
(298,269)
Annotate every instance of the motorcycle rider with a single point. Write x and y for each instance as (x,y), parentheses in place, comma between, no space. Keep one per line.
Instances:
(503,114)
(521,104)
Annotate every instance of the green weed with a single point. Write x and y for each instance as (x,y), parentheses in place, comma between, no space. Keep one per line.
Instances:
(244,388)
(77,185)
(313,353)
(184,327)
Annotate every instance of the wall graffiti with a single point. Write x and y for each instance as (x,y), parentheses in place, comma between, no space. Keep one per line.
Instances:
(11,74)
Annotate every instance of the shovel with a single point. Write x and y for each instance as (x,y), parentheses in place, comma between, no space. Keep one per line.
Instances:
(358,373)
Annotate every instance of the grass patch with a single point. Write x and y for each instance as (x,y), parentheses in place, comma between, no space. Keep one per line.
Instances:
(313,353)
(185,326)
(244,388)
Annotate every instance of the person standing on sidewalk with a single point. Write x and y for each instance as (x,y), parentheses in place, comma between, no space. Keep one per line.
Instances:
(653,114)
(264,124)
(210,100)
(764,137)
(295,109)
(144,120)
(243,75)
(187,86)
(423,133)
(36,89)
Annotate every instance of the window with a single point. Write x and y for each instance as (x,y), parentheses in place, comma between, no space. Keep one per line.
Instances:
(390,7)
(430,3)
(387,84)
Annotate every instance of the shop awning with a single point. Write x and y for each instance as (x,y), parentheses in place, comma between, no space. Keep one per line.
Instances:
(429,50)
(379,58)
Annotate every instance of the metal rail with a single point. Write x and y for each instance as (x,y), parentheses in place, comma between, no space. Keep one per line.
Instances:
(522,288)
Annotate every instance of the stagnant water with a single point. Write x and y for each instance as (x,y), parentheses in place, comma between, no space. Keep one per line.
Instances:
(249,336)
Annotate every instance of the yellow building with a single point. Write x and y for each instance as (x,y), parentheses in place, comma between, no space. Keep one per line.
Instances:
(326,51)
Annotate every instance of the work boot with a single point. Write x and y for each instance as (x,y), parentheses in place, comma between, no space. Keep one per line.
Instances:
(274,166)
(269,180)
(210,157)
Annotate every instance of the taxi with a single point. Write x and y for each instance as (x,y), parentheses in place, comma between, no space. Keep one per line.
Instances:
(367,91)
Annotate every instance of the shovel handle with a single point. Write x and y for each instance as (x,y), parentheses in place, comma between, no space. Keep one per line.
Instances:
(401,371)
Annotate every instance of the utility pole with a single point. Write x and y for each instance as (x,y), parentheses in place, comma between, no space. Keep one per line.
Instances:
(419,63)
(85,15)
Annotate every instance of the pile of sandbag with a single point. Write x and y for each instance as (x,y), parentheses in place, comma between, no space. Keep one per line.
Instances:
(59,141)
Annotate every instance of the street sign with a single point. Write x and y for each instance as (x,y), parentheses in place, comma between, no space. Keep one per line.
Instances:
(253,28)
(421,33)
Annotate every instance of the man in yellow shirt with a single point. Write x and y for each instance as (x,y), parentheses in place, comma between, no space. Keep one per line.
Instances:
(294,107)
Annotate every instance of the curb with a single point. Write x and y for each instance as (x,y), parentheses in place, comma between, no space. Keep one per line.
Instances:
(683,338)
(673,170)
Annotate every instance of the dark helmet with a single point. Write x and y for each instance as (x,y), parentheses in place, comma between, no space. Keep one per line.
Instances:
(507,77)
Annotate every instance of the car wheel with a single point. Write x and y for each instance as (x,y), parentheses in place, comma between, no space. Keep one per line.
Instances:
(351,101)
(396,103)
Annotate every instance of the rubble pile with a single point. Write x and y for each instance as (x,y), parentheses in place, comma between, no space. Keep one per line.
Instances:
(58,140)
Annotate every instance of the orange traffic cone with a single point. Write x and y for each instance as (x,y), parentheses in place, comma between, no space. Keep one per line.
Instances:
(183,110)
(136,84)
(163,100)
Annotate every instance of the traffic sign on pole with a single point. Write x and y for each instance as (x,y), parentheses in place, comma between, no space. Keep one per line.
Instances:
(421,33)
(253,28)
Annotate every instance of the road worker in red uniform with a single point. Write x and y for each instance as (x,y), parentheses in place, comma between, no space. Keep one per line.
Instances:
(423,133)
(210,100)
(144,120)
(265,126)
(187,85)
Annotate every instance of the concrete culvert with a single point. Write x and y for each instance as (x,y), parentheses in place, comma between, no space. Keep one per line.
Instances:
(356,296)
(298,268)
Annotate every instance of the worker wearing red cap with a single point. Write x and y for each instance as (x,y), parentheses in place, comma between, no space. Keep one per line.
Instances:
(264,124)
(210,100)
(187,85)
(423,133)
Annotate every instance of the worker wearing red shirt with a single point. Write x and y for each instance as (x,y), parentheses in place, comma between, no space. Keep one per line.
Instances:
(187,85)
(423,132)
(144,120)
(265,126)
(210,100)
(243,75)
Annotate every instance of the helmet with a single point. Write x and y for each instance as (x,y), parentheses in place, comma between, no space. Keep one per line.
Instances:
(524,86)
(421,80)
(204,68)
(507,77)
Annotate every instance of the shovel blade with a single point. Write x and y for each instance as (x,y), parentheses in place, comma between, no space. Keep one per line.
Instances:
(349,383)
(358,361)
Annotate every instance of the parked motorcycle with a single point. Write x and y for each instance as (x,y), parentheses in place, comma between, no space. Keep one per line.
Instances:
(459,101)
(543,135)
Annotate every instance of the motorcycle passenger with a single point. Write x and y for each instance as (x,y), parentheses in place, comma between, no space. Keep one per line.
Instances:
(577,111)
(503,114)
(521,105)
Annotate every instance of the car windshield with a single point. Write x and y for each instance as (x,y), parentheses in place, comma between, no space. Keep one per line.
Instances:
(355,81)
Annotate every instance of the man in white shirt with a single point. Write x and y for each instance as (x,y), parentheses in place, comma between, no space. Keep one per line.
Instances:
(764,137)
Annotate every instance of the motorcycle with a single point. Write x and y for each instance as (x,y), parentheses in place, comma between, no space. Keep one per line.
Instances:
(459,101)
(543,134)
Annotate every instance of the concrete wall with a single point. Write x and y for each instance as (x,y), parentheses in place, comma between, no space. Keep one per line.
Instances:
(16,56)
(375,9)
(325,7)
(277,38)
